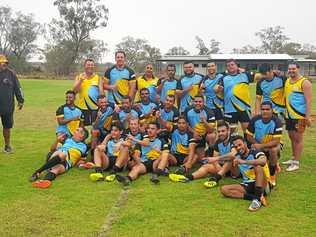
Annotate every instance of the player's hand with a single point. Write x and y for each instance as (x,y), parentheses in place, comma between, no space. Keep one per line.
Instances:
(76,118)
(61,137)
(117,108)
(20,106)
(130,137)
(196,136)
(308,122)
(158,114)
(220,88)
(240,161)
(99,114)
(113,87)
(101,147)
(211,160)
(203,118)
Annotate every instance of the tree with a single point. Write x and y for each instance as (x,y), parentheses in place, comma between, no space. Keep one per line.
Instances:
(292,48)
(214,46)
(272,39)
(138,52)
(247,49)
(203,50)
(72,31)
(5,24)
(177,50)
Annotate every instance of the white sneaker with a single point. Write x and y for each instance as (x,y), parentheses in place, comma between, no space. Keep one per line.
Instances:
(288,162)
(254,205)
(293,167)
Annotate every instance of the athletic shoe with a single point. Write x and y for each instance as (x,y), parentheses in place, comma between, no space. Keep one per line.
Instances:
(123,179)
(34,177)
(110,178)
(96,177)
(273,180)
(210,184)
(7,149)
(87,165)
(254,205)
(154,179)
(178,178)
(181,170)
(288,162)
(293,167)
(264,201)
(42,184)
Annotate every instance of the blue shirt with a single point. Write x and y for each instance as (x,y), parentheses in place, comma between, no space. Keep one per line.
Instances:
(105,120)
(168,88)
(153,151)
(213,101)
(112,147)
(120,78)
(67,112)
(180,142)
(73,150)
(236,92)
(184,83)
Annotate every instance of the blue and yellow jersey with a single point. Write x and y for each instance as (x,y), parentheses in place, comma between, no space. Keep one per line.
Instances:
(294,99)
(193,117)
(265,132)
(223,148)
(105,120)
(113,147)
(150,84)
(67,112)
(168,88)
(120,78)
(273,91)
(247,171)
(124,113)
(74,151)
(154,150)
(236,92)
(144,109)
(171,116)
(184,83)
(180,142)
(88,92)
(213,100)
(138,136)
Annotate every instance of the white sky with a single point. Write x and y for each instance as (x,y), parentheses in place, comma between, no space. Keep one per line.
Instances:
(168,23)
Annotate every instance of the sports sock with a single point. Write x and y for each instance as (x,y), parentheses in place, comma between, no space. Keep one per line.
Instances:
(249,196)
(190,177)
(50,176)
(98,169)
(115,169)
(272,169)
(130,178)
(258,192)
(49,164)
(217,177)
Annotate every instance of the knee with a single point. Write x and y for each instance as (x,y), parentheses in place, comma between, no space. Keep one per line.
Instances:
(224,191)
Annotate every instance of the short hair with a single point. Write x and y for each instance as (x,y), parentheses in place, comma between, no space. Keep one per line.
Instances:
(120,51)
(171,65)
(199,96)
(88,60)
(143,89)
(171,96)
(126,97)
(264,68)
(223,124)
(182,117)
(294,63)
(237,137)
(231,60)
(86,133)
(267,103)
(100,97)
(118,125)
(187,62)
(70,92)
(154,123)
(212,61)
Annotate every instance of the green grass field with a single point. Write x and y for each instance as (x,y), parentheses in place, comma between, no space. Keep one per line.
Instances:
(74,206)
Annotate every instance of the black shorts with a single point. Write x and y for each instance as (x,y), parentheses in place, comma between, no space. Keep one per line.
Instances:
(89,116)
(201,143)
(218,114)
(180,158)
(290,124)
(148,165)
(7,120)
(112,161)
(249,187)
(234,118)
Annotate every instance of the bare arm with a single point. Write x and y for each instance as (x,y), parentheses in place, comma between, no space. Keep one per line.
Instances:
(257,104)
(101,89)
(78,82)
(132,89)
(307,90)
(62,121)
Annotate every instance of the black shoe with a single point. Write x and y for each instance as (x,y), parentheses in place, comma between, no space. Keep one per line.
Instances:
(34,177)
(123,179)
(154,179)
(181,170)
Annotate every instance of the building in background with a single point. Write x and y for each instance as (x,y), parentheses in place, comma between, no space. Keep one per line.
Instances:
(248,61)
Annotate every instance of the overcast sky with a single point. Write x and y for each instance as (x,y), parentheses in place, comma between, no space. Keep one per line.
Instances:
(168,23)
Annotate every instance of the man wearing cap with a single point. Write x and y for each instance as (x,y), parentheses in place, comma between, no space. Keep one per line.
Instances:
(9,87)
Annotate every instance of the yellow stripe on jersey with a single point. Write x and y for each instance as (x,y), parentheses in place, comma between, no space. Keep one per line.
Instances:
(182,149)
(73,125)
(241,92)
(277,97)
(74,156)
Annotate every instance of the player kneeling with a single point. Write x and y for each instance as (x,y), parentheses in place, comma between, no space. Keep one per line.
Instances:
(255,172)
(64,158)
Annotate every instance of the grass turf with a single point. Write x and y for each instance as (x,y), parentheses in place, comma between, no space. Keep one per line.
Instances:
(74,206)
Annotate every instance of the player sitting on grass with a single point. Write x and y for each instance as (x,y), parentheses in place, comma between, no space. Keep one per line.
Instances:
(255,173)
(264,133)
(108,155)
(147,156)
(64,158)
(219,164)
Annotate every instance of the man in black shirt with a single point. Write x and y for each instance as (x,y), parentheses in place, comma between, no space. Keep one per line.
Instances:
(9,87)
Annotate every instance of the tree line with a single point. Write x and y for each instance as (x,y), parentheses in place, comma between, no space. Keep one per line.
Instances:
(69,41)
